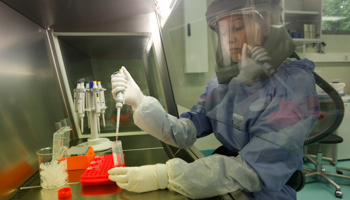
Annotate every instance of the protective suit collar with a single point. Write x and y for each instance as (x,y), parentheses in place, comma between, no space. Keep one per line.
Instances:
(279,46)
(224,75)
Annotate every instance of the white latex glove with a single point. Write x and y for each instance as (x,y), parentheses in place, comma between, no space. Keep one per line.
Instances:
(140,179)
(132,95)
(255,67)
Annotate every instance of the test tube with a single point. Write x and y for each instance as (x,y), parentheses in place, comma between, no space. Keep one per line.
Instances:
(118,156)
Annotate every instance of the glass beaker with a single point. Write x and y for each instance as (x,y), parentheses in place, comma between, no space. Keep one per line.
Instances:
(53,173)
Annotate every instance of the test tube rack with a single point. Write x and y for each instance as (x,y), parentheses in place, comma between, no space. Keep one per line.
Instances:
(97,171)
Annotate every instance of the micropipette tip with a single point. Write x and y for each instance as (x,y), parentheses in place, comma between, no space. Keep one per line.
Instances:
(82,125)
(117,124)
(104,120)
(98,125)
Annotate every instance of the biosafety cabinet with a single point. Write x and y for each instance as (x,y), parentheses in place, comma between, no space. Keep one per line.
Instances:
(46,47)
(49,46)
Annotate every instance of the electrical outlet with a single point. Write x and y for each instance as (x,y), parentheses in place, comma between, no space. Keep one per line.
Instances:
(346,57)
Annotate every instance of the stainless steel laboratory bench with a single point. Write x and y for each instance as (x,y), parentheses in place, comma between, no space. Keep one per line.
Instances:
(139,150)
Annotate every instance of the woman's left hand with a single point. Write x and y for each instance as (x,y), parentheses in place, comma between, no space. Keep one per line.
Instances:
(140,179)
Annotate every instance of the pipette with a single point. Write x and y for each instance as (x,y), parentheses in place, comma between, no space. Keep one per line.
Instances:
(119,102)
(97,103)
(84,106)
(76,98)
(81,104)
(87,102)
(102,102)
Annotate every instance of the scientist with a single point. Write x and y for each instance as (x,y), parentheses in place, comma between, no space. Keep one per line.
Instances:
(260,105)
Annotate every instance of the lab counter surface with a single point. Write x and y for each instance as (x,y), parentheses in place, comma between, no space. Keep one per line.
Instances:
(78,193)
(139,150)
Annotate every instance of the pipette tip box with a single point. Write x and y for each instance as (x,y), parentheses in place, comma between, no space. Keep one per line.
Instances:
(79,157)
(97,171)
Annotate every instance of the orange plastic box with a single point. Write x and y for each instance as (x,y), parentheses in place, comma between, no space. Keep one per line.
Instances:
(77,164)
(80,162)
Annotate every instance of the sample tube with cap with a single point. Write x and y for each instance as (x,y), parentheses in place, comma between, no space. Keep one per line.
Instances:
(118,156)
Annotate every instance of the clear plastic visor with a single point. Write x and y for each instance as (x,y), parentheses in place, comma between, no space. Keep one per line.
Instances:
(233,30)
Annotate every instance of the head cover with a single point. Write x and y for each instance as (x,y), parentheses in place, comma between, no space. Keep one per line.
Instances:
(221,8)
(255,22)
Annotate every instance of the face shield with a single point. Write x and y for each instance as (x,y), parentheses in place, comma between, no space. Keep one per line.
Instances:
(232,31)
(256,26)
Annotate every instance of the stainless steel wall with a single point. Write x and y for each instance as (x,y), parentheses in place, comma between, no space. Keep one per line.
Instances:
(30,101)
(142,23)
(78,65)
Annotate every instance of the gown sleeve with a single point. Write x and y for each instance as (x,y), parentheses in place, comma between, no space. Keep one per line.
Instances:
(151,117)
(211,176)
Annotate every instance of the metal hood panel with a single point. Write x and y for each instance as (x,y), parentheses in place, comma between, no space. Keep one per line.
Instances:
(55,13)
(108,47)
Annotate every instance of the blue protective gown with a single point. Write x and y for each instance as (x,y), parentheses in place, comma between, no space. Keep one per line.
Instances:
(282,109)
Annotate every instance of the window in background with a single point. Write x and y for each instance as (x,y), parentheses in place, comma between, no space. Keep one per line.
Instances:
(336,16)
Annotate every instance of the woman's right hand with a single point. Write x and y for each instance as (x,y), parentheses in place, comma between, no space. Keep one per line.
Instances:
(124,82)
(254,66)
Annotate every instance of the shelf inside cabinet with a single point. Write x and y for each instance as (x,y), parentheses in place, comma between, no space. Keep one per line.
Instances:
(303,41)
(298,12)
(306,39)
(302,17)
